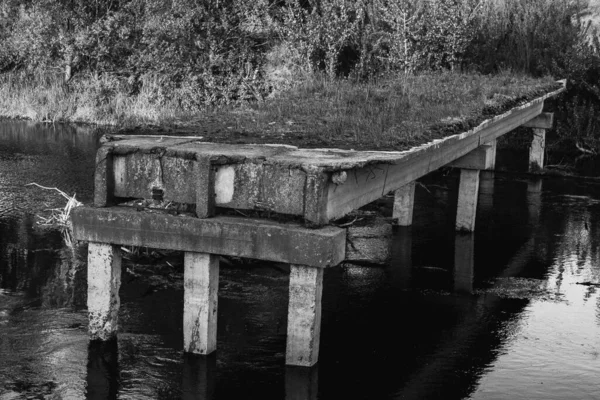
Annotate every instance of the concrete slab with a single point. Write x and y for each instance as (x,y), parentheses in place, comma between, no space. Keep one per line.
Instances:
(318,184)
(234,236)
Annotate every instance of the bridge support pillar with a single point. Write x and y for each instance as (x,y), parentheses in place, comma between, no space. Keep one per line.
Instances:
(468,192)
(104,281)
(482,158)
(538,145)
(536,150)
(404,200)
(304,315)
(201,285)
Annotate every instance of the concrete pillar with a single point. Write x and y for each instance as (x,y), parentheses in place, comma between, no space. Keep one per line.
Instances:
(536,150)
(301,383)
(464,262)
(199,375)
(404,200)
(468,191)
(304,315)
(201,285)
(104,281)
(492,154)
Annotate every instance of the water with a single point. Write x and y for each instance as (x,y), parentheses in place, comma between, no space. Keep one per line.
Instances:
(501,314)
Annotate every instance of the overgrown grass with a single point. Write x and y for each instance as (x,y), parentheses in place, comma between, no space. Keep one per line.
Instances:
(102,100)
(391,113)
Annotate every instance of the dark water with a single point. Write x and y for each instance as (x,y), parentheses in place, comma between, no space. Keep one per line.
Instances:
(496,315)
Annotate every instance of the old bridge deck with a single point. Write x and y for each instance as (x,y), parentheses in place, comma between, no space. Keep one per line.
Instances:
(318,185)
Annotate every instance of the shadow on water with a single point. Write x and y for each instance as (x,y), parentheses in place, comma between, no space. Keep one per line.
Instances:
(448,316)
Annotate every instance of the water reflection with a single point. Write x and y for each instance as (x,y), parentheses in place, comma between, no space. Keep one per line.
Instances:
(199,376)
(464,262)
(401,253)
(301,383)
(102,378)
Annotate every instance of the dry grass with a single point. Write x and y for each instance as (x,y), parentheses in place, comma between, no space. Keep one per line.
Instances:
(58,217)
(90,99)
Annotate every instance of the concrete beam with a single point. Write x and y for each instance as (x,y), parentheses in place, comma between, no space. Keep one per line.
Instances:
(537,149)
(104,281)
(371,182)
(482,158)
(304,316)
(404,200)
(542,121)
(468,192)
(201,286)
(234,236)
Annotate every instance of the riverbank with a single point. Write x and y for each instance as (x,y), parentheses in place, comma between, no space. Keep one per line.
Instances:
(395,112)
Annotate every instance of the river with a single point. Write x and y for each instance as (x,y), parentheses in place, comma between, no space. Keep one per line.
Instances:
(511,312)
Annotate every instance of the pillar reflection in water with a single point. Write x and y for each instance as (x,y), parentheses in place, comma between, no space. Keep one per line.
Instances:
(301,383)
(464,262)
(102,380)
(401,257)
(486,182)
(534,201)
(199,374)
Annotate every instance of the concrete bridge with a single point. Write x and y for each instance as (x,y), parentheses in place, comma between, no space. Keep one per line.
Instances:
(196,183)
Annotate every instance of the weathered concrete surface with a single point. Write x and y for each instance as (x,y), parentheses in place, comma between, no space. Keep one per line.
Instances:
(234,236)
(542,121)
(537,149)
(204,181)
(368,183)
(104,281)
(369,243)
(286,179)
(104,182)
(200,300)
(404,201)
(468,192)
(481,158)
(304,316)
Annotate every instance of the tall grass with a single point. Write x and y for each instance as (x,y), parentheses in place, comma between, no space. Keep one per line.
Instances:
(102,100)
(395,112)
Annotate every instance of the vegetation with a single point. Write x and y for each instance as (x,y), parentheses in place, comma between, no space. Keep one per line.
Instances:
(386,114)
(159,62)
